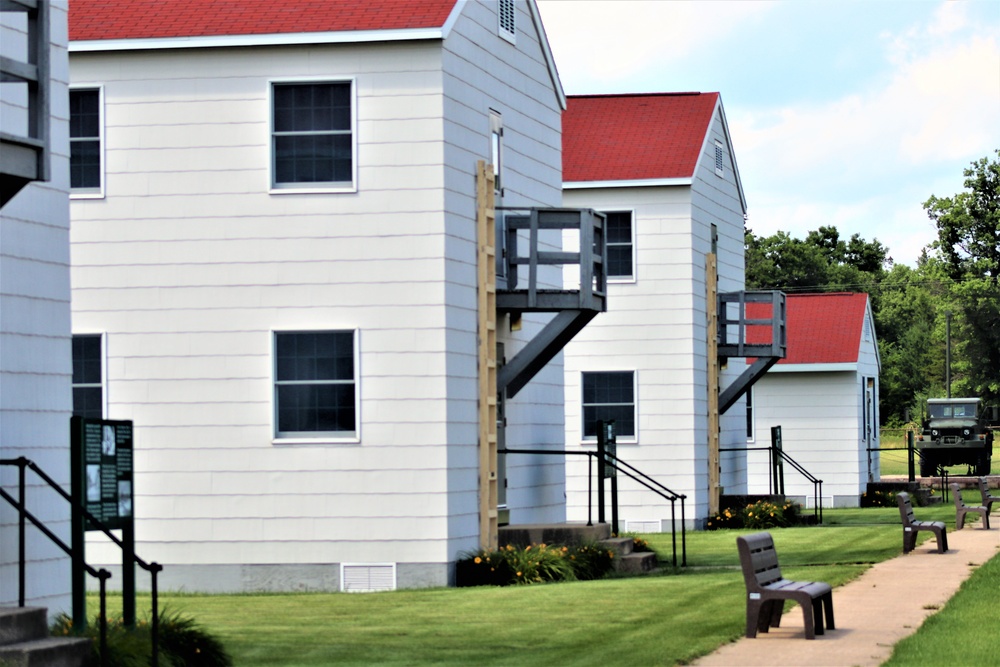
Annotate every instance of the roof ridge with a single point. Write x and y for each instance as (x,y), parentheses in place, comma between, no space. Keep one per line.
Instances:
(693,93)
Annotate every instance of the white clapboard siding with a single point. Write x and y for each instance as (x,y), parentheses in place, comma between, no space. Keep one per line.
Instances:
(656,326)
(35,360)
(189,264)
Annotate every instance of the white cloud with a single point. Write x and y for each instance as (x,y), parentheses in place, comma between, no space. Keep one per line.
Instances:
(605,42)
(857,162)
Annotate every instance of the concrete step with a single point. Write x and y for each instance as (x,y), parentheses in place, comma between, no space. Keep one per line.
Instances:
(623,546)
(637,562)
(565,533)
(18,624)
(25,641)
(47,652)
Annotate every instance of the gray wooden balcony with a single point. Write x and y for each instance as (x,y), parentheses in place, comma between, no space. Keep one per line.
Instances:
(24,82)
(530,239)
(752,325)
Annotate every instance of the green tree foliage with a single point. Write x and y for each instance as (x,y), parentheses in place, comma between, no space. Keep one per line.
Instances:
(903,310)
(823,262)
(909,325)
(968,243)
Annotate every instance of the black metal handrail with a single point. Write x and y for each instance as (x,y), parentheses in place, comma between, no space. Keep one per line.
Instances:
(633,473)
(23,463)
(817,483)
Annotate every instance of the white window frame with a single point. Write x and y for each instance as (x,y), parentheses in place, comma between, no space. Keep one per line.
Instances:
(104,369)
(98,192)
(310,188)
(507,20)
(319,437)
(619,439)
(630,278)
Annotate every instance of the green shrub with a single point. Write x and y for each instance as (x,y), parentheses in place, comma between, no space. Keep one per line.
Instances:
(591,560)
(761,514)
(183,643)
(879,499)
(534,564)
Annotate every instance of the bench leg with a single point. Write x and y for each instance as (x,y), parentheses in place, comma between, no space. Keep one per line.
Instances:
(909,540)
(755,609)
(960,520)
(986,519)
(817,609)
(828,608)
(777,609)
(808,613)
(942,540)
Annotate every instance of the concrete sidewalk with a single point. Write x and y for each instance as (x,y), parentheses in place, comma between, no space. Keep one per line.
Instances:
(887,603)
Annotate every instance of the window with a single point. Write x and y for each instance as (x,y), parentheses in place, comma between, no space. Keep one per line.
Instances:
(749,394)
(313,135)
(609,395)
(88,388)
(507,20)
(618,233)
(315,384)
(85,173)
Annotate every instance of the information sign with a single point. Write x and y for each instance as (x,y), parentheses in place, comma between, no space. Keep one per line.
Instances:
(102,469)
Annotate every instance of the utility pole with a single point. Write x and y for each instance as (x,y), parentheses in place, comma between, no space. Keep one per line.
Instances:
(947,351)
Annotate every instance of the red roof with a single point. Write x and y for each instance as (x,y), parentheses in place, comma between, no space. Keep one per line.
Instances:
(820,328)
(145,19)
(635,137)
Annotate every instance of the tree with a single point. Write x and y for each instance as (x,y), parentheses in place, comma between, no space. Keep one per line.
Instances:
(821,263)
(909,323)
(969,245)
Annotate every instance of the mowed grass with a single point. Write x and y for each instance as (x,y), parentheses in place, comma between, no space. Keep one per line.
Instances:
(962,633)
(664,619)
(656,620)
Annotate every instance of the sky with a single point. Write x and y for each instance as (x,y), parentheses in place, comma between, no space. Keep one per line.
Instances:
(844,113)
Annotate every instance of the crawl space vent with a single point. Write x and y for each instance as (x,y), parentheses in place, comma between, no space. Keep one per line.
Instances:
(367,577)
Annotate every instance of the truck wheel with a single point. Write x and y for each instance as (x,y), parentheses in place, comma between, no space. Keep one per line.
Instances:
(983,465)
(928,466)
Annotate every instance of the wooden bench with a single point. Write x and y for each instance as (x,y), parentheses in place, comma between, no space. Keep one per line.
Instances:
(911,526)
(988,498)
(767,590)
(961,509)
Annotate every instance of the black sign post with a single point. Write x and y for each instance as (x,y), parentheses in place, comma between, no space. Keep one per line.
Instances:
(777,462)
(101,482)
(607,454)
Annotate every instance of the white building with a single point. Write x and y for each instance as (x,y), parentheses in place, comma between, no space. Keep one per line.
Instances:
(662,167)
(275,264)
(35,366)
(824,395)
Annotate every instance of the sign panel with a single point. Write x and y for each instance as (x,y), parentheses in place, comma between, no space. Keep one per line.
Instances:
(102,469)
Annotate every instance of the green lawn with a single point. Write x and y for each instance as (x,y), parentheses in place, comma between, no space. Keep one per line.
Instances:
(663,619)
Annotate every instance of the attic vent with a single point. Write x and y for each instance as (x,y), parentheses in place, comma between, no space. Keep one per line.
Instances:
(367,577)
(508,28)
(719,171)
(867,328)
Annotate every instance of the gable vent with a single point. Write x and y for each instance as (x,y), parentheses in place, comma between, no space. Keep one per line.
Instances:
(867,328)
(508,28)
(367,577)
(719,165)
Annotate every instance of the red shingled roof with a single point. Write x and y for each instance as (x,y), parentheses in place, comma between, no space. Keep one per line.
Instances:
(634,137)
(821,328)
(144,19)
